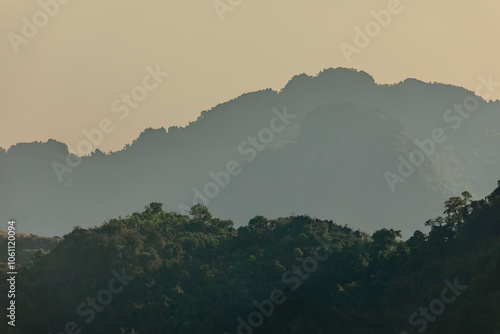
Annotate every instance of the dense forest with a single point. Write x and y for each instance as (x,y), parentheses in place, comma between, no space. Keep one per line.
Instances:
(160,272)
(27,246)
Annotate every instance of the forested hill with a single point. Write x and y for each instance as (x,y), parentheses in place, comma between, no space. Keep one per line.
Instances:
(27,246)
(159,272)
(342,133)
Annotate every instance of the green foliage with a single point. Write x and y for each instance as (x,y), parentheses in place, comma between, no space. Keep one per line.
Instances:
(200,212)
(199,274)
(27,247)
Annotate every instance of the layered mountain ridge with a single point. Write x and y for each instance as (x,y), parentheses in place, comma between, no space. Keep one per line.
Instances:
(346,133)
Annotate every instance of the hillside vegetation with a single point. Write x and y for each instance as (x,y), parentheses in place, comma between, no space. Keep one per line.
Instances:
(171,273)
(27,246)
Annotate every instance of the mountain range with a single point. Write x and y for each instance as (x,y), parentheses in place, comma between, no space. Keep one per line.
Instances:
(320,146)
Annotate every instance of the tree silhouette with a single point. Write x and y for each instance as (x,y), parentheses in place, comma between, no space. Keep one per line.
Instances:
(454,206)
(200,213)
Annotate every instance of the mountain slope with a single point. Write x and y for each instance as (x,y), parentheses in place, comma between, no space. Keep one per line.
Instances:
(167,166)
(159,272)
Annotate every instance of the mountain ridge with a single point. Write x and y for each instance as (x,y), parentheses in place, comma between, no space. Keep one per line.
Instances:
(166,165)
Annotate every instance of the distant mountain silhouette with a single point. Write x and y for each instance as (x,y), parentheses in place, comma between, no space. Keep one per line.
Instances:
(328,160)
(336,169)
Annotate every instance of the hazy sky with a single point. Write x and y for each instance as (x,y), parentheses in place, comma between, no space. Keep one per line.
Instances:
(66,76)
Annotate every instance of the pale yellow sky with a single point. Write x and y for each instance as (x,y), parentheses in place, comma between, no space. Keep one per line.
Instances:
(65,77)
